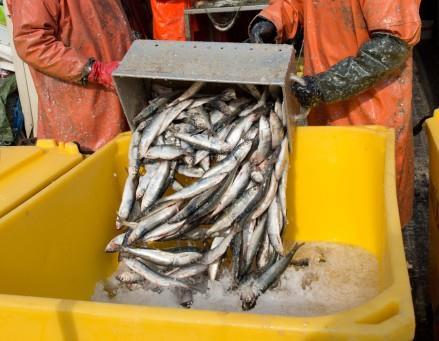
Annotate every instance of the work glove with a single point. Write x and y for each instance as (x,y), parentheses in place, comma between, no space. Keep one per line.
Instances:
(377,59)
(100,73)
(308,95)
(262,31)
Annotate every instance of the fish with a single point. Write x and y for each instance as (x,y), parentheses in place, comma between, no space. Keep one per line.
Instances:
(156,186)
(193,205)
(172,113)
(239,184)
(115,244)
(150,170)
(254,243)
(232,161)
(206,142)
(214,267)
(163,231)
(190,92)
(268,198)
(277,130)
(188,271)
(151,108)
(128,198)
(164,258)
(196,188)
(282,160)
(165,152)
(264,146)
(274,227)
(191,172)
(254,287)
(205,169)
(150,222)
(154,277)
(234,212)
(217,252)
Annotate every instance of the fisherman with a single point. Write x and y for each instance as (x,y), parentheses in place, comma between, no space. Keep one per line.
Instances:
(358,67)
(72,47)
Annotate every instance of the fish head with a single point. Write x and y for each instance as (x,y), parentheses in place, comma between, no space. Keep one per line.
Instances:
(248,298)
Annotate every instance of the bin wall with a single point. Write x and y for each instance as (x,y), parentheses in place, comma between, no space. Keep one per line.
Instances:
(52,246)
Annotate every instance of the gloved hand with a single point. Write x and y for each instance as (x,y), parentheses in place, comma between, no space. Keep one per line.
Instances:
(101,73)
(262,31)
(308,95)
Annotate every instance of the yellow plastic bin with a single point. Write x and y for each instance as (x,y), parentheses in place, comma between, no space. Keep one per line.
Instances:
(433,141)
(25,171)
(342,189)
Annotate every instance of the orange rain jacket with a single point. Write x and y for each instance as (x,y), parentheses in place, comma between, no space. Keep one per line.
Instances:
(336,29)
(168,19)
(56,38)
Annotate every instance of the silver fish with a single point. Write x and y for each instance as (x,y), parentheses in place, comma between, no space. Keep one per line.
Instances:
(133,154)
(172,114)
(144,180)
(236,210)
(200,155)
(206,142)
(268,198)
(193,205)
(165,152)
(239,184)
(230,162)
(196,188)
(274,227)
(260,104)
(205,163)
(190,92)
(240,129)
(151,108)
(252,90)
(176,186)
(128,198)
(151,222)
(282,192)
(264,146)
(199,119)
(150,132)
(238,103)
(156,185)
(115,243)
(152,276)
(164,258)
(216,253)
(247,233)
(188,271)
(282,160)
(163,231)
(277,130)
(214,267)
(254,244)
(254,287)
(190,172)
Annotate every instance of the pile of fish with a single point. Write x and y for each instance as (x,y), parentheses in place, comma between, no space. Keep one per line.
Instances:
(209,174)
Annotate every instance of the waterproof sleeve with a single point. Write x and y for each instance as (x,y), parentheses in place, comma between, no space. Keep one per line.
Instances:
(377,59)
(397,17)
(35,36)
(286,15)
